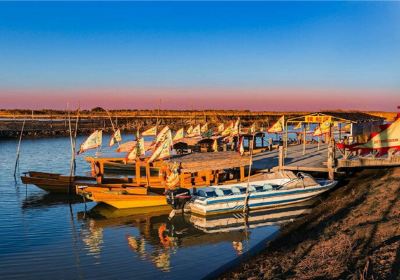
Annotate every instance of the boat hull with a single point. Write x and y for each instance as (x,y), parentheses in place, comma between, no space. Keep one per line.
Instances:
(56,183)
(124,201)
(236,203)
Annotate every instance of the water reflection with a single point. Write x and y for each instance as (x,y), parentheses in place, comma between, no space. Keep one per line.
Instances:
(92,237)
(154,238)
(40,200)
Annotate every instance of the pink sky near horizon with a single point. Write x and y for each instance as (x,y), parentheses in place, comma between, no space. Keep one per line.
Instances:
(267,99)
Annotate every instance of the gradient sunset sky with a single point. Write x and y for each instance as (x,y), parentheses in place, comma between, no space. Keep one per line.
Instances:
(201,55)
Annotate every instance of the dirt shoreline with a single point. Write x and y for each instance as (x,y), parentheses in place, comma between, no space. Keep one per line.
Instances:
(354,233)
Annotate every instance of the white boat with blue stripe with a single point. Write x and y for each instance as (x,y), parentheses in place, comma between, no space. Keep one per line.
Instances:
(261,194)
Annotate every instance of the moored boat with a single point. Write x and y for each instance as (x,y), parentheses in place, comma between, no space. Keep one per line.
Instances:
(122,199)
(57,183)
(261,194)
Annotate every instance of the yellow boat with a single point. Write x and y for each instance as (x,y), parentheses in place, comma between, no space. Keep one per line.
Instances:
(122,199)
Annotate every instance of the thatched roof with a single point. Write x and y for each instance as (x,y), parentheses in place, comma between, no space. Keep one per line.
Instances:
(353,116)
(209,161)
(190,141)
(128,146)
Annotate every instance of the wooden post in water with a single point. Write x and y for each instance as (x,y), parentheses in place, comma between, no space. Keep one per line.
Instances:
(71,166)
(331,159)
(304,138)
(285,125)
(138,175)
(18,149)
(246,200)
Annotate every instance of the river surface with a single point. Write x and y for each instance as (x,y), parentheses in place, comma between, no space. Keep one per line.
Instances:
(45,236)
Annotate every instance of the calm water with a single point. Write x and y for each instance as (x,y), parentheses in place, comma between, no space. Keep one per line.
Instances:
(44,236)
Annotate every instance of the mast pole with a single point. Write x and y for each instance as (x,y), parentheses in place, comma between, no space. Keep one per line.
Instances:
(112,124)
(71,166)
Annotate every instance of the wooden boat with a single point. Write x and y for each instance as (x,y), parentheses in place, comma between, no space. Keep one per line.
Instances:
(197,170)
(262,194)
(132,197)
(57,183)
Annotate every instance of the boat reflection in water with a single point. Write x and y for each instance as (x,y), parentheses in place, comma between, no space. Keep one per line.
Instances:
(157,238)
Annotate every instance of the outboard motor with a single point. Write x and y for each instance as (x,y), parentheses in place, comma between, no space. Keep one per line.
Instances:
(178,197)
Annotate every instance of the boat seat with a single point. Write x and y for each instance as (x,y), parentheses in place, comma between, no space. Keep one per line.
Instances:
(219,192)
(242,190)
(227,192)
(236,190)
(268,187)
(204,193)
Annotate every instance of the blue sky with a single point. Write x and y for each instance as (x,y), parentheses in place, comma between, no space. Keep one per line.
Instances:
(70,46)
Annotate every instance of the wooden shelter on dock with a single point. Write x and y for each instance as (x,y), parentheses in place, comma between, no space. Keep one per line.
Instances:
(361,124)
(196,144)
(195,169)
(204,169)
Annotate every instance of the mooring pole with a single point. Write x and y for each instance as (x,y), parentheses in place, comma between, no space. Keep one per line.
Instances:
(18,149)
(304,138)
(71,167)
(331,159)
(246,201)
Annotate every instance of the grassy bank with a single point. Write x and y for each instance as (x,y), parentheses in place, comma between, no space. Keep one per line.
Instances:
(354,233)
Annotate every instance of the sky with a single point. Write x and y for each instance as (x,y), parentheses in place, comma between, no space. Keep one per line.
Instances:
(201,55)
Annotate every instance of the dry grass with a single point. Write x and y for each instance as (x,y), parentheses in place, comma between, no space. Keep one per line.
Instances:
(353,234)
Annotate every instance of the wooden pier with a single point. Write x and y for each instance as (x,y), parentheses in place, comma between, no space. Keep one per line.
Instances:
(317,159)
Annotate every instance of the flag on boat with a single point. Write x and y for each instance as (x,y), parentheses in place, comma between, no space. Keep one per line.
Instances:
(173,177)
(133,154)
(347,128)
(221,127)
(196,131)
(241,147)
(386,139)
(165,133)
(278,126)
(178,135)
(228,130)
(150,132)
(323,128)
(116,137)
(215,145)
(190,130)
(298,126)
(92,142)
(252,129)
(204,128)
(162,150)
(236,128)
(141,149)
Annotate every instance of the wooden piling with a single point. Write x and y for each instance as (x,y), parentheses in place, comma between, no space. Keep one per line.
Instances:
(281,161)
(304,138)
(331,159)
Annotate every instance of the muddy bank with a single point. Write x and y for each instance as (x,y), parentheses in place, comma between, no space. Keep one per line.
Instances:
(353,234)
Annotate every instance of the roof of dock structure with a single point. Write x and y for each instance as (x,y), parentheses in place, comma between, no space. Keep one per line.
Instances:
(209,161)
(341,116)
